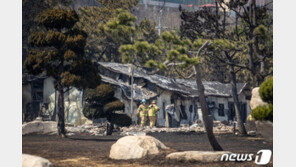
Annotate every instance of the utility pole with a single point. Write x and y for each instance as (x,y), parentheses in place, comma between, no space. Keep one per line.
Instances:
(159,27)
(132,91)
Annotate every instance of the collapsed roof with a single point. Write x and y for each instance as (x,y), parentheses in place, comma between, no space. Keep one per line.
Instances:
(185,87)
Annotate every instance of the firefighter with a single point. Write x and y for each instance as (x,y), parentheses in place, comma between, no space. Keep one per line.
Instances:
(153,108)
(143,110)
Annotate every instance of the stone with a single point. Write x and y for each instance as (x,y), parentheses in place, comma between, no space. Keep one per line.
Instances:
(35,161)
(197,156)
(265,128)
(250,125)
(43,127)
(135,147)
(256,99)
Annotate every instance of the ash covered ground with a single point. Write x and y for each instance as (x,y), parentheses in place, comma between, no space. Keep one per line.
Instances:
(85,150)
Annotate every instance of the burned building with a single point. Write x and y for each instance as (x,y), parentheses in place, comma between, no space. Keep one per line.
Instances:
(180,93)
(35,93)
(177,94)
(38,92)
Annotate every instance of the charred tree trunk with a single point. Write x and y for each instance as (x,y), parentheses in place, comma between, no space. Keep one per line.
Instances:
(110,126)
(241,126)
(251,55)
(205,113)
(253,50)
(61,113)
(260,75)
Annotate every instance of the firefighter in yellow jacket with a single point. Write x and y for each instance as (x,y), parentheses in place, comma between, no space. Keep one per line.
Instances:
(153,108)
(143,110)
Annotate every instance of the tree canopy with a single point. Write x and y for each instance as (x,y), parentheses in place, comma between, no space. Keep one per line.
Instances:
(249,25)
(30,9)
(98,45)
(58,50)
(266,90)
(100,102)
(110,26)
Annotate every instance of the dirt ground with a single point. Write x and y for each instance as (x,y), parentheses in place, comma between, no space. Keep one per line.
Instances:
(90,151)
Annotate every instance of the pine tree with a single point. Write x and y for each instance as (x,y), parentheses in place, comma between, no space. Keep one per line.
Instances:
(30,9)
(99,45)
(179,54)
(58,51)
(101,103)
(233,45)
(229,54)
(241,21)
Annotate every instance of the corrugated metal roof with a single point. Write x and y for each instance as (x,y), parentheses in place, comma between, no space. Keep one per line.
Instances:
(185,87)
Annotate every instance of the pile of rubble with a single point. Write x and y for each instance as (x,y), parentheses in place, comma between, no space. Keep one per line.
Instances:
(197,127)
(136,130)
(93,130)
(99,129)
(222,127)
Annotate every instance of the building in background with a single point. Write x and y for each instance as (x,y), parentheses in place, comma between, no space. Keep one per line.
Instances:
(165,13)
(179,94)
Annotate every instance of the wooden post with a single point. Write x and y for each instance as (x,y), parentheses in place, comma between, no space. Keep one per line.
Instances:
(234,125)
(167,124)
(54,114)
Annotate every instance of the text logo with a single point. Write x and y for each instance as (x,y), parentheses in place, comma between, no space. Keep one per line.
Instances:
(264,158)
(261,158)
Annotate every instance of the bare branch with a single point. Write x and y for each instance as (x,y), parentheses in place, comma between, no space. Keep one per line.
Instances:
(229,61)
(68,89)
(239,69)
(204,45)
(233,54)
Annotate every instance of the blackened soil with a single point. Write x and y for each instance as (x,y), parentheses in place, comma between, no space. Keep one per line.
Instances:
(82,150)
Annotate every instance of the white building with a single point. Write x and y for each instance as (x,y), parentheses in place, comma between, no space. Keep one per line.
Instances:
(183,94)
(179,93)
